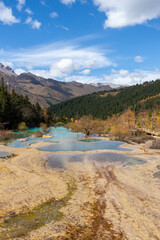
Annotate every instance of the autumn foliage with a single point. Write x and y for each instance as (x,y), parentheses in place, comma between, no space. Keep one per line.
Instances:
(122,127)
(88,125)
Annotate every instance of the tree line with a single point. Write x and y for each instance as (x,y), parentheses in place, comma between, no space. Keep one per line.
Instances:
(103,105)
(15,108)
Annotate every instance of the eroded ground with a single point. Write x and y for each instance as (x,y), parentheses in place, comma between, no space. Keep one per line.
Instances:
(84,201)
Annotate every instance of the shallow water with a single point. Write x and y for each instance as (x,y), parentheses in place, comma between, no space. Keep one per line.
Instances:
(82,146)
(67,141)
(105,157)
(25,134)
(58,134)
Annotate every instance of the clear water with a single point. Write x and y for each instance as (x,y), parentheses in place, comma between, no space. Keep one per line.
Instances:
(24,134)
(82,146)
(66,141)
(57,134)
(59,160)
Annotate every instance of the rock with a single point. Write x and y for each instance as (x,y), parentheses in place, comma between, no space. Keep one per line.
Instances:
(10,214)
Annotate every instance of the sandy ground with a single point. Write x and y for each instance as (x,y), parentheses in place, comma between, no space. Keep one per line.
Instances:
(109,202)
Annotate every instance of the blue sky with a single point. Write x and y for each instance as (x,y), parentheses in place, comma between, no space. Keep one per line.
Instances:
(88,41)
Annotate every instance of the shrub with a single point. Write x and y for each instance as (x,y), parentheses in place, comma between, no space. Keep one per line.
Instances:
(60,124)
(22,126)
(6,135)
(120,133)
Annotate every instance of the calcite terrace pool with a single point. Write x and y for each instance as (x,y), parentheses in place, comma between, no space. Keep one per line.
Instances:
(65,140)
(64,186)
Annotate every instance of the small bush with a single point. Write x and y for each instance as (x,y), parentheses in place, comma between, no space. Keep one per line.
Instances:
(156,144)
(60,124)
(138,133)
(120,133)
(22,126)
(6,135)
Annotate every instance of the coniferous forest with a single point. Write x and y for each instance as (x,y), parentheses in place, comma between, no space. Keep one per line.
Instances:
(104,104)
(15,109)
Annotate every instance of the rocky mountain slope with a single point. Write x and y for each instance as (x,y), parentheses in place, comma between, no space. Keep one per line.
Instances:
(45,91)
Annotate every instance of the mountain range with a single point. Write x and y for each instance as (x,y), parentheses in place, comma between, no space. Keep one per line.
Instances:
(45,91)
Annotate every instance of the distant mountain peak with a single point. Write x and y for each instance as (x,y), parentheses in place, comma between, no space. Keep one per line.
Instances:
(6,70)
(45,91)
(107,84)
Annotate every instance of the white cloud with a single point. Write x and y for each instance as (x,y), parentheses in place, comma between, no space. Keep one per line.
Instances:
(58,69)
(123,72)
(139,59)
(85,72)
(28,20)
(5,63)
(113,70)
(54,14)
(92,14)
(34,23)
(20,4)
(68,2)
(43,3)
(63,27)
(28,10)
(18,71)
(122,13)
(59,59)
(83,79)
(6,15)
(118,78)
(138,76)
(66,65)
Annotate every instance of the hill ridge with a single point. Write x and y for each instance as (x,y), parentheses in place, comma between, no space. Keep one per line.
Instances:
(45,91)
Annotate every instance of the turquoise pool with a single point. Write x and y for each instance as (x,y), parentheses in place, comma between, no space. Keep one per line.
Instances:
(65,140)
(57,135)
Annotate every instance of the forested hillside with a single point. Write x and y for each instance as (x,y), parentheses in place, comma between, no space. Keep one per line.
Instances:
(16,108)
(45,91)
(104,104)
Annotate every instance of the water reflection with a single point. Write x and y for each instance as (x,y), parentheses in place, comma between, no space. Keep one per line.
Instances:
(105,157)
(83,146)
